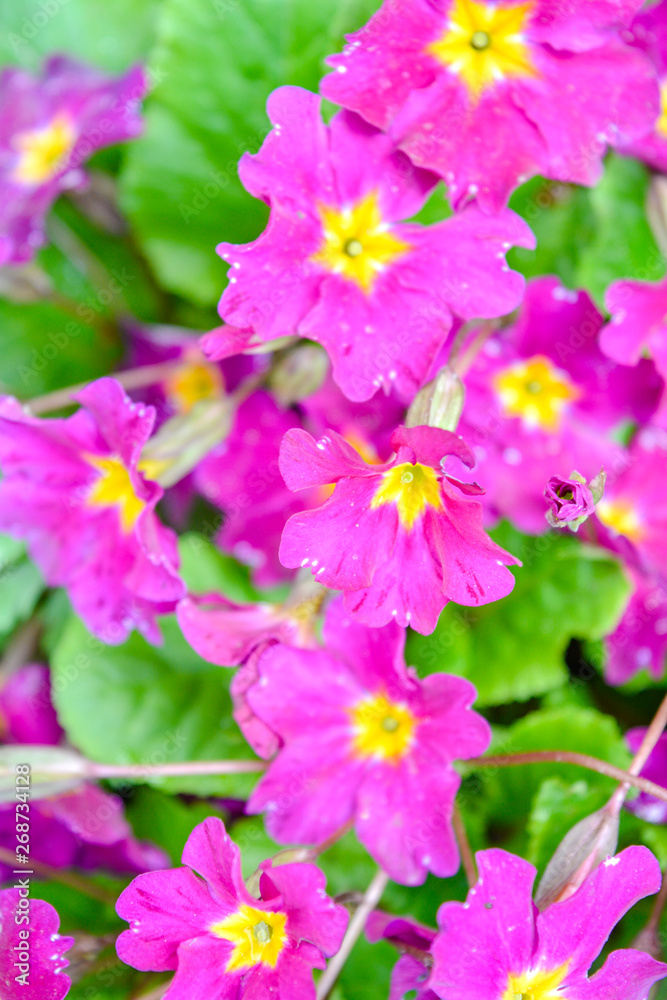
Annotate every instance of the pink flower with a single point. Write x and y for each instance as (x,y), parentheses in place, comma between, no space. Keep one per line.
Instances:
(31,950)
(496,946)
(26,712)
(229,634)
(639,641)
(220,940)
(638,325)
(646,806)
(365,740)
(400,539)
(337,263)
(410,975)
(72,488)
(48,127)
(648,34)
(542,395)
(491,93)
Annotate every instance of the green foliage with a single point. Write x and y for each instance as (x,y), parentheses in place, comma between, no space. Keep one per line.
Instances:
(511,791)
(513,649)
(205,568)
(21,585)
(590,238)
(153,705)
(109,35)
(216,63)
(166,820)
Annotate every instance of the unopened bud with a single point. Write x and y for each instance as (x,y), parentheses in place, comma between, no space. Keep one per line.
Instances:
(24,284)
(439,403)
(298,373)
(182,442)
(571,501)
(53,770)
(580,851)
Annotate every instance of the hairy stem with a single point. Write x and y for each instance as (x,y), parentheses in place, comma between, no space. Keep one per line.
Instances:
(133,378)
(572,757)
(371,899)
(467,856)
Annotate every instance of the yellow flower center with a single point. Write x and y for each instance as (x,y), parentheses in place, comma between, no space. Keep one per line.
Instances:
(621,517)
(484,43)
(536,391)
(412,488)
(661,124)
(44,151)
(196,380)
(357,243)
(381,728)
(257,936)
(114,489)
(539,985)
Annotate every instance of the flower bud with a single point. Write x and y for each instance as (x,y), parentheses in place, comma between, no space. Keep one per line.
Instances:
(439,403)
(572,501)
(182,442)
(298,373)
(580,851)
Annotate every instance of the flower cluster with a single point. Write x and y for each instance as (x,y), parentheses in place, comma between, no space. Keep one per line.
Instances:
(375,346)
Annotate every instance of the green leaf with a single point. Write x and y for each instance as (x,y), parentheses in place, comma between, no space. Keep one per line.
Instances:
(558,807)
(165,820)
(511,789)
(141,704)
(563,221)
(513,649)
(21,585)
(622,244)
(218,61)
(108,35)
(590,237)
(205,568)
(45,348)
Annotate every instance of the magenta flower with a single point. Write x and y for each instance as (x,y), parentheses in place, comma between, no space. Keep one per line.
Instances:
(489,94)
(541,395)
(221,941)
(48,126)
(410,975)
(31,950)
(400,539)
(241,476)
(73,490)
(229,634)
(639,641)
(337,263)
(496,946)
(27,714)
(646,806)
(633,511)
(638,325)
(648,34)
(365,740)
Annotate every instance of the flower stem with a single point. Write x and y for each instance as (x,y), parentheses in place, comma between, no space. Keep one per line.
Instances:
(188,767)
(133,378)
(70,879)
(572,757)
(467,856)
(371,899)
(651,737)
